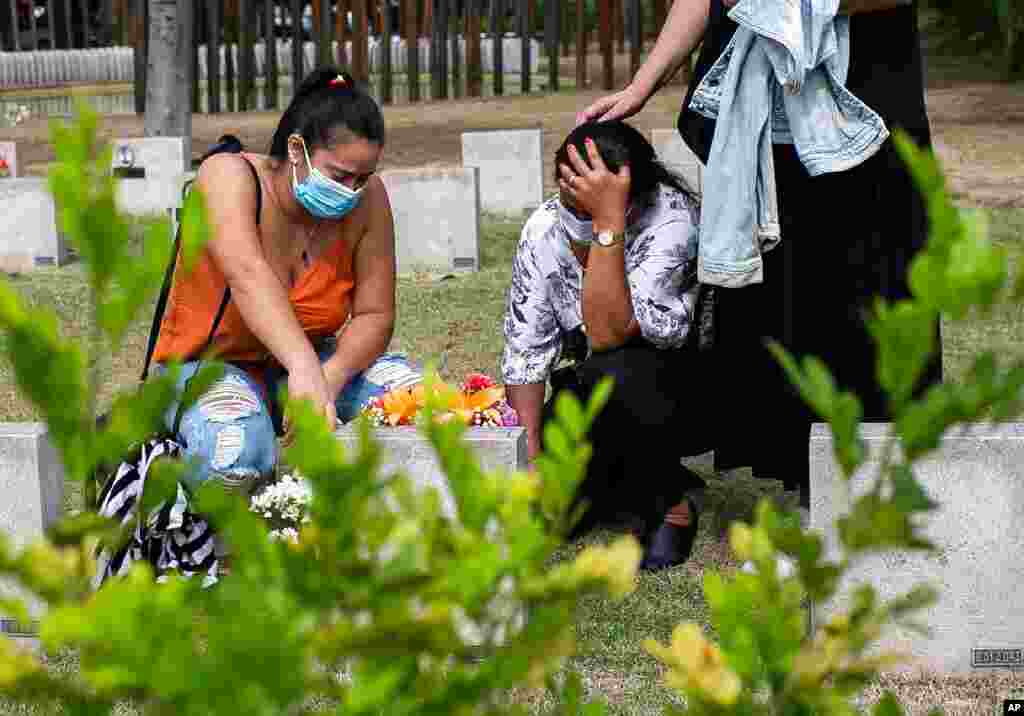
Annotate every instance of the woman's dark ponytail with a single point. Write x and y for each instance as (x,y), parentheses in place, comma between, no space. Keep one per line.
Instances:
(327,100)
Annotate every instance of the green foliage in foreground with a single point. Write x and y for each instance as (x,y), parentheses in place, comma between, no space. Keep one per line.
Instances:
(386,606)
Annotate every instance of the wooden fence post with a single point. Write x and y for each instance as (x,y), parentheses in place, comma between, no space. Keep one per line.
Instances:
(387,92)
(439,50)
(523,16)
(213,26)
(197,34)
(497,28)
(69,42)
(246,61)
(140,47)
(360,59)
(456,59)
(342,35)
(581,45)
(660,15)
(474,58)
(412,49)
(270,84)
(605,8)
(298,54)
(552,20)
(619,19)
(636,35)
(324,46)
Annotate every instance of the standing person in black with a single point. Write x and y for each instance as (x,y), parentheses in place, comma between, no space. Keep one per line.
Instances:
(847,237)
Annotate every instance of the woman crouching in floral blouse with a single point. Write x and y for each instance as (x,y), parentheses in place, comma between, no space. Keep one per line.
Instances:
(606,276)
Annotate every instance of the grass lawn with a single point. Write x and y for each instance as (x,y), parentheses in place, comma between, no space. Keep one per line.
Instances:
(455,323)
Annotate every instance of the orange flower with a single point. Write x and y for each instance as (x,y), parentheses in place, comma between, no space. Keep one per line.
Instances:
(400,406)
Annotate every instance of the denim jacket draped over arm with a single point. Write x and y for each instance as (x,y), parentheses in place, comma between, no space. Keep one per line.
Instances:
(780,80)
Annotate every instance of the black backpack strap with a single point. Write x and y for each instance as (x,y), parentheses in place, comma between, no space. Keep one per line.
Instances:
(165,289)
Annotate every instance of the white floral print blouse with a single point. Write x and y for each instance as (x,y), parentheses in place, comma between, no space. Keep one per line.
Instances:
(544,300)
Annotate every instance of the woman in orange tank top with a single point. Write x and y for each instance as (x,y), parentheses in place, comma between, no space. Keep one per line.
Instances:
(304,239)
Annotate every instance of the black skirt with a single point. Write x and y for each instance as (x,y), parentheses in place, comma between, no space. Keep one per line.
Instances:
(847,238)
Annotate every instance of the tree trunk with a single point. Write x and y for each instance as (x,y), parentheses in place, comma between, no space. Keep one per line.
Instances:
(168,89)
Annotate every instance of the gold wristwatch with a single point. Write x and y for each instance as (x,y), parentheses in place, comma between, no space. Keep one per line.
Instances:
(609,238)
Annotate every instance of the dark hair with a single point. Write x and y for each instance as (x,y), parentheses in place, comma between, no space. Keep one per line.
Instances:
(619,144)
(326,100)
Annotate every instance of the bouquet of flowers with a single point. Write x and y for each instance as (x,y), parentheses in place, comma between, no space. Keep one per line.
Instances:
(5,169)
(284,504)
(479,402)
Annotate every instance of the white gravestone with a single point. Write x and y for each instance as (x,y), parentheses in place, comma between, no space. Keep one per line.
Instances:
(32,485)
(977,478)
(437,218)
(511,168)
(405,449)
(152,173)
(677,157)
(28,227)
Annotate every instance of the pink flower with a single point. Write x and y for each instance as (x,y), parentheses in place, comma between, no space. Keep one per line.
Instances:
(477,381)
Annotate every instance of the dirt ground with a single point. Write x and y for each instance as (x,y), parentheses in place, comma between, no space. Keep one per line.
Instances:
(978,128)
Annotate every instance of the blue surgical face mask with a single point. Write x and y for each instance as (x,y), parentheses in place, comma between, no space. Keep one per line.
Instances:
(578,230)
(320,195)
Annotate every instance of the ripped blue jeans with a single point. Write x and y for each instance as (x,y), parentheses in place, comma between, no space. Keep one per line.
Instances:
(229,432)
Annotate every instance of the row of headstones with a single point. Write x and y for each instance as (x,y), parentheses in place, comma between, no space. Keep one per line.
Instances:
(436,209)
(48,67)
(975,476)
(117,64)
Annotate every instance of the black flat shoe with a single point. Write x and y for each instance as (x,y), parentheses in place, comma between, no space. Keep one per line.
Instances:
(670,545)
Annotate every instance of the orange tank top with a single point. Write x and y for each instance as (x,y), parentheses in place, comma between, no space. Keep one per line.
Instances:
(320,298)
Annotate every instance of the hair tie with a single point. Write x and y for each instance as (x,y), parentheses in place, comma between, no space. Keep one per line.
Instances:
(338,81)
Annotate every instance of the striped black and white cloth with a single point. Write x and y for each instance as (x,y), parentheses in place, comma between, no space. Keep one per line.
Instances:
(171,538)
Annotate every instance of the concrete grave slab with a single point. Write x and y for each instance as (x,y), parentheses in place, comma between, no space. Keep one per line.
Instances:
(977,477)
(28,227)
(32,485)
(152,173)
(673,152)
(405,449)
(511,168)
(437,217)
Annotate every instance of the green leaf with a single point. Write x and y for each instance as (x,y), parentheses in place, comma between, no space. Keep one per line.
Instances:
(888,705)
(907,493)
(599,398)
(570,415)
(50,372)
(556,442)
(905,334)
(875,524)
(195,232)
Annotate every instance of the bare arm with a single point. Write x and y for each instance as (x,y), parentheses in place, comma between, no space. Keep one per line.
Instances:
(685,26)
(227,184)
(607,304)
(528,401)
(373,303)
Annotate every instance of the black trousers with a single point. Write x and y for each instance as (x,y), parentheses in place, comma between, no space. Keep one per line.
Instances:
(654,417)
